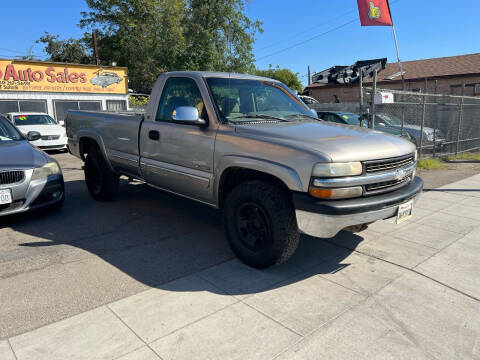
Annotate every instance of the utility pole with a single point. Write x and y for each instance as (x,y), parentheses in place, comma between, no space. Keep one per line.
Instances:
(95,48)
(309,77)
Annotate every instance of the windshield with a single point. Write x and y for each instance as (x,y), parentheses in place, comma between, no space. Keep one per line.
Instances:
(350,118)
(20,120)
(241,100)
(8,132)
(387,119)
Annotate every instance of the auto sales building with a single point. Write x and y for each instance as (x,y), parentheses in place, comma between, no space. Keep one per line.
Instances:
(55,88)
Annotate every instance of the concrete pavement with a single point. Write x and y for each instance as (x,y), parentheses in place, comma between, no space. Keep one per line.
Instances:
(147,286)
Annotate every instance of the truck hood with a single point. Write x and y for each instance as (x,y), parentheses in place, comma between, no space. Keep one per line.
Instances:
(335,141)
(21,155)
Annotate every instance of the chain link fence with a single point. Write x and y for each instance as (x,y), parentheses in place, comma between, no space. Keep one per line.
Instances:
(439,125)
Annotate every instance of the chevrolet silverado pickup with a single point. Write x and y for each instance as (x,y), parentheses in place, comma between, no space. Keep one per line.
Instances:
(250,147)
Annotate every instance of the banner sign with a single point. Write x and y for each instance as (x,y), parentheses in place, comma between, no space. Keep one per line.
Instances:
(18,75)
(374,13)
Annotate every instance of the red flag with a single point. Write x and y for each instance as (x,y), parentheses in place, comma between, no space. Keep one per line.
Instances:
(374,13)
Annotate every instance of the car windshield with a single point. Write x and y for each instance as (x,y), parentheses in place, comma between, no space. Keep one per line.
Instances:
(8,131)
(39,119)
(350,118)
(245,100)
(388,120)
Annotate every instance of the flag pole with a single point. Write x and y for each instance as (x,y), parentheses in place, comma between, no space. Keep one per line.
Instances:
(396,47)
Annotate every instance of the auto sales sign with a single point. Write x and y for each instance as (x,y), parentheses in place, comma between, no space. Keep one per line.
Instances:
(18,75)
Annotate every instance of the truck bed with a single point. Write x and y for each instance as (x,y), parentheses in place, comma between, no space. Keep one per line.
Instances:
(118,132)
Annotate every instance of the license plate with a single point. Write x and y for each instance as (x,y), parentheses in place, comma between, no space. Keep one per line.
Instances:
(5,196)
(404,211)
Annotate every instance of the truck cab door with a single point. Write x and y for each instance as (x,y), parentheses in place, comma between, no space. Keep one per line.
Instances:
(179,157)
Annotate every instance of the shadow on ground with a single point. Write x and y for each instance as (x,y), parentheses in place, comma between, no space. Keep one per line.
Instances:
(155,237)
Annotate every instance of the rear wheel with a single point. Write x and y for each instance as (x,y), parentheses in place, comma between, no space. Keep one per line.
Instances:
(260,224)
(101,182)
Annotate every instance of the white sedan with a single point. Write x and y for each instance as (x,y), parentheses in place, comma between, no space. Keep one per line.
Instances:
(53,135)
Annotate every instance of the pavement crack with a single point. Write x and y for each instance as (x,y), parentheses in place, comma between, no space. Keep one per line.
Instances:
(412,269)
(11,348)
(133,331)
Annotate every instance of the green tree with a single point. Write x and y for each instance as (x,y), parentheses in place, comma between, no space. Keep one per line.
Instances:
(69,50)
(144,35)
(286,76)
(219,36)
(153,36)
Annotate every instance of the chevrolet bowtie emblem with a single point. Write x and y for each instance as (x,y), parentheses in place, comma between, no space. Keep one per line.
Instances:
(400,174)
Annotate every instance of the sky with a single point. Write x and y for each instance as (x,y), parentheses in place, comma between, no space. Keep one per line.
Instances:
(296,33)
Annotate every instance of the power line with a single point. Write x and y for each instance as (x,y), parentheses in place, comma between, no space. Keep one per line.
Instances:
(306,31)
(309,39)
(14,51)
(316,36)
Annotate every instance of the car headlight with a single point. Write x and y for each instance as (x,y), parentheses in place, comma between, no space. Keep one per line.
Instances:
(416,155)
(337,169)
(45,171)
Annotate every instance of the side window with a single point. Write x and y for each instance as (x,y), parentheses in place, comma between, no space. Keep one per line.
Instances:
(330,117)
(178,92)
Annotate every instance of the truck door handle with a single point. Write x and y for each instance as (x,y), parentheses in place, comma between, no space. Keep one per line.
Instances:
(154,135)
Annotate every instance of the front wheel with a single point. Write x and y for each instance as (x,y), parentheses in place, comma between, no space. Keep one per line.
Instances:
(260,224)
(101,182)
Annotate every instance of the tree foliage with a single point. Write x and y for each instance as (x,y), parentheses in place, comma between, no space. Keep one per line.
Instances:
(70,50)
(286,76)
(154,36)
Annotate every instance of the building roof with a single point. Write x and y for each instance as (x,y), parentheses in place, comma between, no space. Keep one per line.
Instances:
(40,62)
(430,68)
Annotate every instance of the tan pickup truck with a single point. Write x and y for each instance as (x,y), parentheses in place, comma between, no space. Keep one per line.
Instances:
(250,147)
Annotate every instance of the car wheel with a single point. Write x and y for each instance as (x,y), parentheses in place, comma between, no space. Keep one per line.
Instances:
(260,224)
(101,182)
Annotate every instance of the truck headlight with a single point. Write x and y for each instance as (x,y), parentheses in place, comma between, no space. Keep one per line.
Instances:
(45,171)
(416,155)
(336,193)
(337,169)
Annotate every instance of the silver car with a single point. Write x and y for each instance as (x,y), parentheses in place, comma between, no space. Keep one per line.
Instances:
(29,178)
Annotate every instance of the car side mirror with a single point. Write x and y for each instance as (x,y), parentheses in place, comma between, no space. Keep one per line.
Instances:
(33,136)
(381,124)
(61,123)
(187,115)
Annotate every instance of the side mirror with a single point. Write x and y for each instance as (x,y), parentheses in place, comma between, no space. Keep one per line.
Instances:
(187,115)
(61,123)
(381,124)
(33,136)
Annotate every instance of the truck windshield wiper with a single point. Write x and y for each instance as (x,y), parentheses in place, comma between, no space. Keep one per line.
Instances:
(301,115)
(258,116)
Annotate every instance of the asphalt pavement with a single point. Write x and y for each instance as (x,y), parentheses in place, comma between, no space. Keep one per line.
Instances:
(150,276)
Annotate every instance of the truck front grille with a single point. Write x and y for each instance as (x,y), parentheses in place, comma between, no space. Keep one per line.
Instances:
(50,137)
(11,177)
(388,164)
(385,186)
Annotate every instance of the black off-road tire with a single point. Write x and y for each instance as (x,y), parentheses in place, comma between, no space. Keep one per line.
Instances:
(101,182)
(277,213)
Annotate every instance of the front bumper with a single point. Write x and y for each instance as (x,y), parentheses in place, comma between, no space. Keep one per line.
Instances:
(59,144)
(31,195)
(322,218)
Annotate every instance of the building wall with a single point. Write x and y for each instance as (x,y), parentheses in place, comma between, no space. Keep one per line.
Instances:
(49,97)
(449,86)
